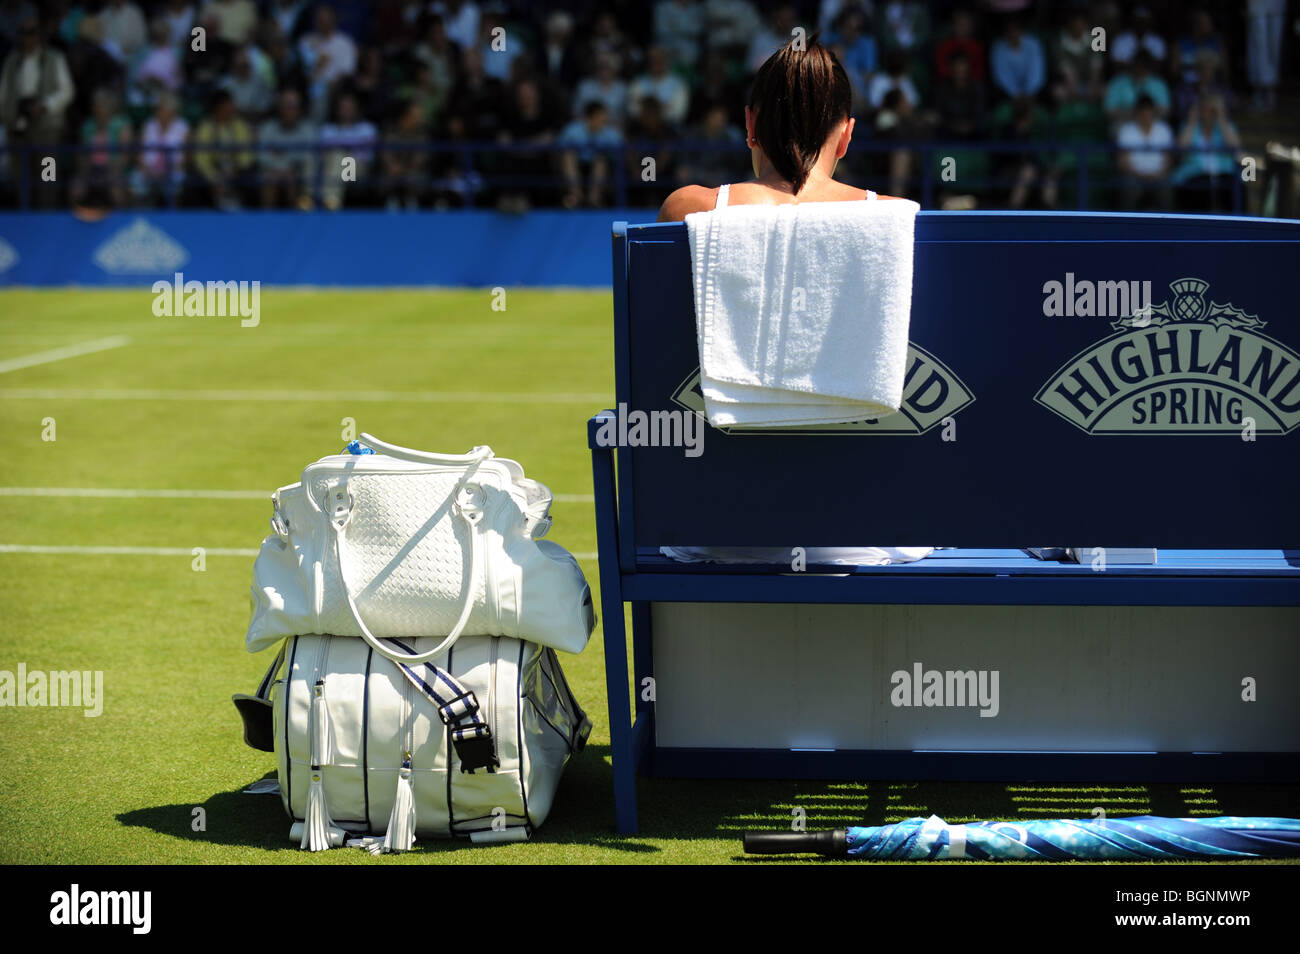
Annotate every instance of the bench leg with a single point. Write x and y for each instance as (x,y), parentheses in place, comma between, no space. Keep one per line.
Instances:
(622,754)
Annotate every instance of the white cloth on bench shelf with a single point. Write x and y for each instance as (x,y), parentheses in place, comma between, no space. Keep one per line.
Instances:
(802,311)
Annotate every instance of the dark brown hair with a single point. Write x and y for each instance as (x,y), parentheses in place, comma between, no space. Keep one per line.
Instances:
(799,96)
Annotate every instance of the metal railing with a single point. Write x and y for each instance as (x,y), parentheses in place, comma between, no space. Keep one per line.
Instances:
(476,171)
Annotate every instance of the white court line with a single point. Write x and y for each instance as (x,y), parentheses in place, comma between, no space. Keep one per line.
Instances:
(58,354)
(151,551)
(186,394)
(149,492)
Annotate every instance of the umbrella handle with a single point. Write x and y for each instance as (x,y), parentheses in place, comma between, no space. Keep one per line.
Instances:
(834,842)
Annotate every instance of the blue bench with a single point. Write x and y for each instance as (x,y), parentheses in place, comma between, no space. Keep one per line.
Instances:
(1025,421)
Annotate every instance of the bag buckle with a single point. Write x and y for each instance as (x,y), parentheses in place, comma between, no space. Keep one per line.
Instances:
(338,505)
(475,752)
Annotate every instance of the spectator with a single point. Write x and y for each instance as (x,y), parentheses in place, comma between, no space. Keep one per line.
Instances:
(585,169)
(155,68)
(35,91)
(222,156)
(179,17)
(374,90)
(716,87)
(1144,165)
(162,160)
(286,13)
(894,77)
(1029,171)
(1207,84)
(101,168)
(859,48)
(462,21)
(719,164)
(500,48)
(475,109)
(730,25)
(1210,143)
(1141,34)
(426,94)
(282,59)
(560,61)
(771,38)
(961,40)
(328,55)
(1078,65)
(904,25)
(959,101)
(1017,62)
(231,21)
(288,162)
(605,88)
(250,89)
(12,15)
(650,136)
(667,88)
(606,37)
(124,27)
(528,123)
(897,120)
(437,52)
(1265,20)
(92,67)
(349,137)
(1130,84)
(1191,46)
(678,28)
(404,177)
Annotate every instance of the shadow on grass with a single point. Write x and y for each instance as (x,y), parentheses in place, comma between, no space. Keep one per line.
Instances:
(721,810)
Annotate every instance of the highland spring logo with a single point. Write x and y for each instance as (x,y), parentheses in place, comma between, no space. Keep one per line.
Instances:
(1186,366)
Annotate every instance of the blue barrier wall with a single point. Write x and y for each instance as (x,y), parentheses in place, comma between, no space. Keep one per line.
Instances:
(474,248)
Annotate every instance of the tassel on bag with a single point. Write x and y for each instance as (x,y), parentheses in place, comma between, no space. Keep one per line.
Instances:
(401,823)
(317,825)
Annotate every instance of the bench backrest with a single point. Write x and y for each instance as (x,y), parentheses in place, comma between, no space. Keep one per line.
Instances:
(1017,428)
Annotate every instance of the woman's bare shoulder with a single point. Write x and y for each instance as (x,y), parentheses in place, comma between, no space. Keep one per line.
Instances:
(687,199)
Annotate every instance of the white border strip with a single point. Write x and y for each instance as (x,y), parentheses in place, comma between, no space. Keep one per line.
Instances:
(69,351)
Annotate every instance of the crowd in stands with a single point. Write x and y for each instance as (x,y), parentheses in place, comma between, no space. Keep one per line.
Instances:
(299,104)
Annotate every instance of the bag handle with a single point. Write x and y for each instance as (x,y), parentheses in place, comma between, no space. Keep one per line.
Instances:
(470,512)
(480,453)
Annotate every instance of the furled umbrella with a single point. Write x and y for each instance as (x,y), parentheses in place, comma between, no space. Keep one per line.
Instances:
(1141,838)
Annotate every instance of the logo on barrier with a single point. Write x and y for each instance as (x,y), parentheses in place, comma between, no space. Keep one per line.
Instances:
(931,393)
(1189,365)
(140,249)
(8,256)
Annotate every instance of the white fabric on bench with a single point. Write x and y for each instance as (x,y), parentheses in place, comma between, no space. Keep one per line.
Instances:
(802,311)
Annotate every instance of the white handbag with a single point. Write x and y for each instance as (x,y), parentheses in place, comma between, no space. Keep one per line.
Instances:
(372,751)
(391,542)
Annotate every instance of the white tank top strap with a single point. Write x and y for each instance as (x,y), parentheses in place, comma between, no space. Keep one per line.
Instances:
(869,196)
(722,196)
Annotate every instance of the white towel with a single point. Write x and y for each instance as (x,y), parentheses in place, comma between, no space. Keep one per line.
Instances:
(802,311)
